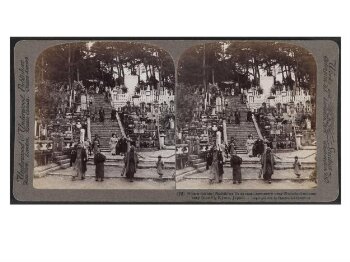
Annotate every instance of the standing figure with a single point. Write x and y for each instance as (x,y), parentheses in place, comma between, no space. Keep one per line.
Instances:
(249,144)
(131,162)
(297,167)
(95,144)
(217,167)
(90,147)
(249,116)
(99,160)
(237,118)
(101,113)
(113,114)
(124,146)
(197,146)
(232,146)
(80,163)
(267,163)
(93,115)
(209,157)
(113,144)
(220,165)
(73,156)
(236,162)
(118,146)
(231,118)
(160,166)
(214,169)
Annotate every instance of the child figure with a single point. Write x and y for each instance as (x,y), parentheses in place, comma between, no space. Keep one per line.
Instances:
(297,167)
(160,166)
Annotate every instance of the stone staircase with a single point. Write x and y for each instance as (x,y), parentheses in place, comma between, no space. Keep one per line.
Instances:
(104,129)
(198,163)
(62,160)
(240,132)
(41,171)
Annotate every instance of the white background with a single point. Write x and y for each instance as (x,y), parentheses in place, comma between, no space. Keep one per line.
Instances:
(175,232)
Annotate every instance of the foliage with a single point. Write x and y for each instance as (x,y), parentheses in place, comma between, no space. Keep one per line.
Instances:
(103,61)
(186,105)
(243,61)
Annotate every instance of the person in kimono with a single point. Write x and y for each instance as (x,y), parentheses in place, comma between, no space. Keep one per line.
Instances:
(217,166)
(113,114)
(236,162)
(160,166)
(249,145)
(113,143)
(220,165)
(214,168)
(130,161)
(73,156)
(237,118)
(99,160)
(95,144)
(209,157)
(297,167)
(101,113)
(267,165)
(232,146)
(80,163)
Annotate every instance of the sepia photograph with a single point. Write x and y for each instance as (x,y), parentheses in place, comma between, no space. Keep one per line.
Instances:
(174,132)
(176,120)
(104,117)
(247,116)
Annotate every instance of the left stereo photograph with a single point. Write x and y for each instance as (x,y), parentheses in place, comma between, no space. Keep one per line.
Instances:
(103,116)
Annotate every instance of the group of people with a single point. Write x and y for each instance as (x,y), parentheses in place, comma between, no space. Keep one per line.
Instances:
(119,145)
(234,118)
(215,163)
(79,159)
(98,115)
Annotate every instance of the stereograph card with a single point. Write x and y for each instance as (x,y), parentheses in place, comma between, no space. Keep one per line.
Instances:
(175,120)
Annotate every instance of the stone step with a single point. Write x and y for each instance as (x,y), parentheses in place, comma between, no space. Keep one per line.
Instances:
(241,130)
(104,126)
(55,154)
(64,166)
(183,173)
(63,161)
(44,171)
(231,126)
(202,169)
(61,157)
(242,134)
(240,126)
(196,161)
(199,165)
(39,169)
(192,157)
(105,133)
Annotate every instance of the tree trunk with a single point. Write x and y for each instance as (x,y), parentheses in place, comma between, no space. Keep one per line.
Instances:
(160,73)
(69,64)
(147,76)
(204,72)
(283,78)
(258,74)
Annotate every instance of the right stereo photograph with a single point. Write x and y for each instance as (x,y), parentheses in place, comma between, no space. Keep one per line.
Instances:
(246,116)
